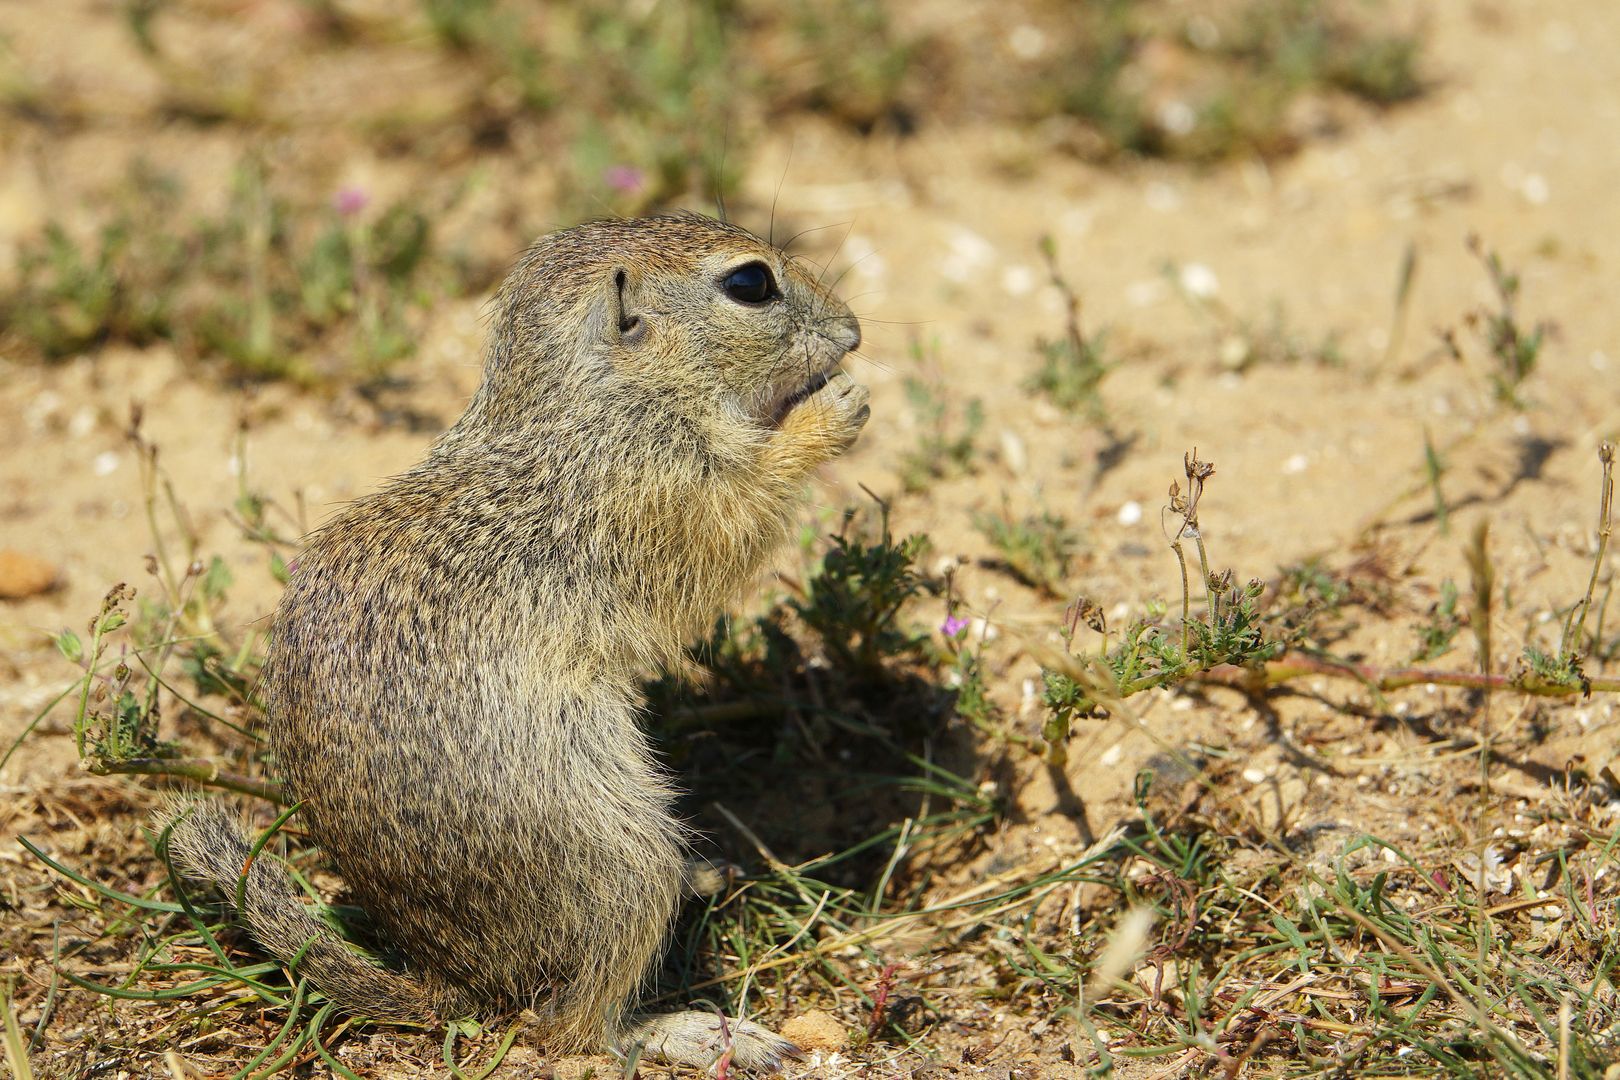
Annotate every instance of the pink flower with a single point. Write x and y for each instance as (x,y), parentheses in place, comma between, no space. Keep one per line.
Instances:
(349,201)
(625,178)
(953,627)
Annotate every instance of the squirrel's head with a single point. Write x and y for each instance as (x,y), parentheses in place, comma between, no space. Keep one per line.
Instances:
(698,312)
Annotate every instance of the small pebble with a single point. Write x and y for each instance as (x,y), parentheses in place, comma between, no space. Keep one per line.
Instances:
(1026,42)
(24,575)
(815,1030)
(1018,280)
(1144,293)
(1177,117)
(1199,280)
(1162,197)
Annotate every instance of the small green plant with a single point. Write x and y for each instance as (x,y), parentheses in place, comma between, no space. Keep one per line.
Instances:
(290,282)
(71,300)
(973,701)
(1311,585)
(1073,366)
(1512,349)
(947,434)
(121,285)
(1434,470)
(1564,668)
(171,650)
(853,600)
(1436,635)
(1317,42)
(1231,631)
(1309,608)
(961,659)
(1037,548)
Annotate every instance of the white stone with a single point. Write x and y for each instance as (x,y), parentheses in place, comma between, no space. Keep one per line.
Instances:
(1162,197)
(1199,280)
(1018,280)
(1026,42)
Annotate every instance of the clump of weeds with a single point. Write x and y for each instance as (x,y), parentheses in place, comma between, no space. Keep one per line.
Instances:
(947,431)
(1564,668)
(1074,365)
(853,600)
(1440,630)
(1037,548)
(74,294)
(1242,74)
(291,287)
(1512,349)
(1168,951)
(660,102)
(264,286)
(1230,630)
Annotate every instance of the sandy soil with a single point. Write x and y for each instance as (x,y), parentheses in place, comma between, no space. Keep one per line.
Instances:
(939,233)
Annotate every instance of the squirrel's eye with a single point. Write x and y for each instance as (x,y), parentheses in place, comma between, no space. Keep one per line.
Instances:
(750,284)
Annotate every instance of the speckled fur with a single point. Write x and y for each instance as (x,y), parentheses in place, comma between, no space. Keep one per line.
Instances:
(453,684)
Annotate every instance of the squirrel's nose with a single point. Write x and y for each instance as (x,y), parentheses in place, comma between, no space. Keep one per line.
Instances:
(849,333)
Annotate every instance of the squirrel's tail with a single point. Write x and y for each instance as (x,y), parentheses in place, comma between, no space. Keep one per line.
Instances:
(205,843)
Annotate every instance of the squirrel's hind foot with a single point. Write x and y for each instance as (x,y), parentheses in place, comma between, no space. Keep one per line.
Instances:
(701,1039)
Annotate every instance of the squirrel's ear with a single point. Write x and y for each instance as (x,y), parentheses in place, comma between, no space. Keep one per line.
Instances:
(628,326)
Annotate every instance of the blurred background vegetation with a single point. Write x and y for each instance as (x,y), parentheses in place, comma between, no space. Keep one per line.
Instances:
(227,214)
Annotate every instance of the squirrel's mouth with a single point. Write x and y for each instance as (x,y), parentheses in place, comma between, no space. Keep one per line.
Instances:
(798,395)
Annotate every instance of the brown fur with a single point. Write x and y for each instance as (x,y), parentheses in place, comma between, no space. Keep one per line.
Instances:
(453,684)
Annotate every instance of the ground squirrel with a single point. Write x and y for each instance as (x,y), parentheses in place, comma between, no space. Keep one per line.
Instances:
(453,685)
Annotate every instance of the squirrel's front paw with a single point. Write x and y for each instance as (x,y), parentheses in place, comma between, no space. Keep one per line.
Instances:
(828,421)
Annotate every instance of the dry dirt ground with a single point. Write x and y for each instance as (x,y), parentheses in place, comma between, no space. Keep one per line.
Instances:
(940,234)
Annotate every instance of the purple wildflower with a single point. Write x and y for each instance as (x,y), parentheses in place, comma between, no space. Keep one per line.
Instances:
(625,178)
(953,627)
(349,201)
